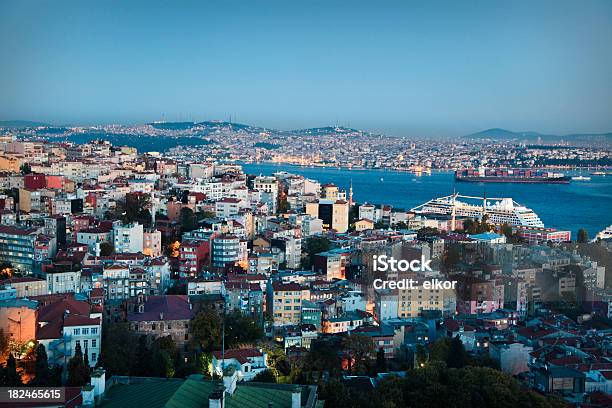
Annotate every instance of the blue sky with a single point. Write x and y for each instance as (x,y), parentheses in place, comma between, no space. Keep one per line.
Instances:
(416,68)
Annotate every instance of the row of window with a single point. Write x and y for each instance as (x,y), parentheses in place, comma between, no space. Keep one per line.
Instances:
(94,343)
(85,331)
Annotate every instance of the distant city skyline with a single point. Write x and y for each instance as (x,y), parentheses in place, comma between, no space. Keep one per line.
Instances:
(439,68)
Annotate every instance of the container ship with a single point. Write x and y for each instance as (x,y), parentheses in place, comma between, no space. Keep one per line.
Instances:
(498,210)
(483,175)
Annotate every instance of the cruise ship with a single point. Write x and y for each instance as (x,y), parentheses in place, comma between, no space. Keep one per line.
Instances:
(498,210)
(606,234)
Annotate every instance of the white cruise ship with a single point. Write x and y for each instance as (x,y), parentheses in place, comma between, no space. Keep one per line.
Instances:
(604,235)
(498,210)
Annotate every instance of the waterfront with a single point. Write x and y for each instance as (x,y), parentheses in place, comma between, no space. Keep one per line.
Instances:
(580,204)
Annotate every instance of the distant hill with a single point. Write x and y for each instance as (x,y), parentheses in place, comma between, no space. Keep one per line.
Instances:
(21,124)
(535,137)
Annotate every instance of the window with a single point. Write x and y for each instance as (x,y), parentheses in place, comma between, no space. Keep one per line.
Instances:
(85,331)
(94,343)
(94,330)
(153,326)
(78,343)
(85,343)
(76,332)
(94,356)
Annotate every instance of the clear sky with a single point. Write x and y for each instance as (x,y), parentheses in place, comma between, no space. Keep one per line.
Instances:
(413,68)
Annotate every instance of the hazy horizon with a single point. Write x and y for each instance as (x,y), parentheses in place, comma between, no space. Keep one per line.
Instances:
(419,69)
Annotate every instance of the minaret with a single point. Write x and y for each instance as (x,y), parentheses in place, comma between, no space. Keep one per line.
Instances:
(484,203)
(454,211)
(351,194)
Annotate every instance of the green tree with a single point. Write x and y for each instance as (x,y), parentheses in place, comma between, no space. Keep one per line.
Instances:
(163,353)
(25,168)
(240,329)
(315,245)
(323,356)
(143,358)
(188,220)
(359,350)
(266,376)
(421,355)
(43,376)
(427,232)
(457,356)
(506,230)
(583,236)
(118,351)
(381,361)
(440,349)
(10,376)
(78,372)
(206,331)
(4,342)
(106,249)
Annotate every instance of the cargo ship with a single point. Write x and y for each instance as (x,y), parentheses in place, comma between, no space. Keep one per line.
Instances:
(501,175)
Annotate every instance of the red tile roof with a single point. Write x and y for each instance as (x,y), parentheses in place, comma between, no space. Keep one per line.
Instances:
(242,355)
(56,310)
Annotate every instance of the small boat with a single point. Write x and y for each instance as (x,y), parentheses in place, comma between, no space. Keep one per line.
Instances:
(598,173)
(382,179)
(581,178)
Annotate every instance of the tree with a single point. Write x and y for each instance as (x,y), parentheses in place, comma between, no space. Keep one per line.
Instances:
(42,373)
(25,168)
(421,355)
(78,373)
(381,361)
(283,205)
(359,349)
(188,220)
(457,356)
(6,270)
(583,236)
(427,232)
(118,351)
(266,376)
(86,357)
(106,249)
(10,376)
(163,353)
(315,245)
(206,331)
(4,342)
(506,230)
(240,329)
(143,358)
(323,355)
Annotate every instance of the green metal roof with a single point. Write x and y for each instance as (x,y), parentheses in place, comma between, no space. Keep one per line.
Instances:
(151,393)
(194,393)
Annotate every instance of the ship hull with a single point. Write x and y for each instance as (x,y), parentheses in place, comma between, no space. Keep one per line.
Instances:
(561,180)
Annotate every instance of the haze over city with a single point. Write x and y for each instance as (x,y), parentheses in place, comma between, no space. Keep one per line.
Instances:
(402,68)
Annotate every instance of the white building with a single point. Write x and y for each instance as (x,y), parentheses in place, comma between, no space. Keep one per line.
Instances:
(513,357)
(64,282)
(128,238)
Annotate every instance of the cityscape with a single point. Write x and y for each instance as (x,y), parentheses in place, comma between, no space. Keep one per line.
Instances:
(363,235)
